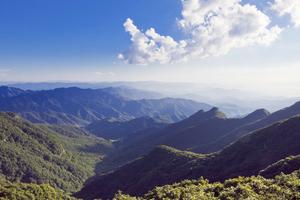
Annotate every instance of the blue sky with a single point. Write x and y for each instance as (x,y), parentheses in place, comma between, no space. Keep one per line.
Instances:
(64,30)
(79,40)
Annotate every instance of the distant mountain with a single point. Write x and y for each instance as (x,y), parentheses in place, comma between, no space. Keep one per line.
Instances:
(131,93)
(230,137)
(204,128)
(203,132)
(234,102)
(116,129)
(83,106)
(164,165)
(6,92)
(113,88)
(195,132)
(63,157)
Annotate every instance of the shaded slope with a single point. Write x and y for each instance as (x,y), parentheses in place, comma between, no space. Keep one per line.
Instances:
(204,128)
(198,130)
(157,168)
(115,129)
(230,137)
(286,166)
(246,157)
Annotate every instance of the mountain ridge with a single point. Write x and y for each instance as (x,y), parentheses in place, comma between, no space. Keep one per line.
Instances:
(78,106)
(246,157)
(59,156)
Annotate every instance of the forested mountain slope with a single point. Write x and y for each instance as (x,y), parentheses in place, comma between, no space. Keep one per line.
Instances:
(164,165)
(61,156)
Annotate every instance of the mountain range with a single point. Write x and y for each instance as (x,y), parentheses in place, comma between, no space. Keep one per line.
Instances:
(235,103)
(82,106)
(164,165)
(96,142)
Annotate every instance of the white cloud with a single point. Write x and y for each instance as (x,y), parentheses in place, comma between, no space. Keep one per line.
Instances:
(150,47)
(211,28)
(288,7)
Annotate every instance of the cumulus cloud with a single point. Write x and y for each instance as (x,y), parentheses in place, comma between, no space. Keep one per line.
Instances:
(150,47)
(290,8)
(211,28)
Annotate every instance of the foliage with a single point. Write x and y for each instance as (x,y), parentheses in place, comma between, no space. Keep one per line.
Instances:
(20,191)
(241,188)
(57,156)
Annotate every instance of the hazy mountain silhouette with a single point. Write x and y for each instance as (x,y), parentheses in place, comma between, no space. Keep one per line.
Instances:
(230,137)
(82,106)
(197,131)
(6,92)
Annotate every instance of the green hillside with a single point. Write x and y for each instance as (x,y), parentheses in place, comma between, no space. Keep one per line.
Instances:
(21,191)
(60,156)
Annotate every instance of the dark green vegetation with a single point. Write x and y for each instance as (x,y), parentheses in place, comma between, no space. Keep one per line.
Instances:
(82,106)
(64,157)
(281,187)
(21,191)
(164,165)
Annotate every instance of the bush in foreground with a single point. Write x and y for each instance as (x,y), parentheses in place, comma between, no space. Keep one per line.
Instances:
(281,187)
